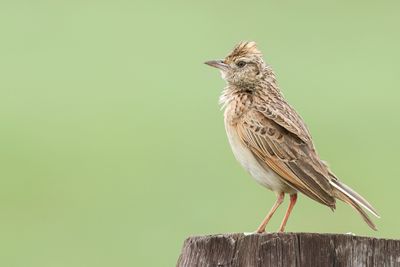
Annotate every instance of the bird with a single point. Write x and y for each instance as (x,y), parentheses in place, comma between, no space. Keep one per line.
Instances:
(270,139)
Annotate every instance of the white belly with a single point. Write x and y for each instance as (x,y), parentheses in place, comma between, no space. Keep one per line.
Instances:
(263,176)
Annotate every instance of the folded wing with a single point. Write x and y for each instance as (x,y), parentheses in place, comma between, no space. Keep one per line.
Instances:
(277,144)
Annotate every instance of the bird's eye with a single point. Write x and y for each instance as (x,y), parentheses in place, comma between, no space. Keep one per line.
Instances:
(240,64)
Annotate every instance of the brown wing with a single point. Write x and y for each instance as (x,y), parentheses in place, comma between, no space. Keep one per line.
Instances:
(284,115)
(288,154)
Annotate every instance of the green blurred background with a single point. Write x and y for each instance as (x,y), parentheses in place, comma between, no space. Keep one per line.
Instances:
(113,149)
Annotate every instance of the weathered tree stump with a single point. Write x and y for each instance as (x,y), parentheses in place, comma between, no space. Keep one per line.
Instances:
(289,249)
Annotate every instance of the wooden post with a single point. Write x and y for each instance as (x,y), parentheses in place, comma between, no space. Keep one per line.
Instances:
(289,249)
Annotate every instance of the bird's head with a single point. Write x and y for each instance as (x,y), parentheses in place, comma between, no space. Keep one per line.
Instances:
(243,67)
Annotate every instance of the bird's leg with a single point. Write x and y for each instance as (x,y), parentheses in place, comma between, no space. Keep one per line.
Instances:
(293,199)
(279,200)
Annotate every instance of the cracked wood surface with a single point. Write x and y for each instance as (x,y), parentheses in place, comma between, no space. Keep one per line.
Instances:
(288,249)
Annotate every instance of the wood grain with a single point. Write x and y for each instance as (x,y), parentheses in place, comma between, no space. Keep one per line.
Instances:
(289,249)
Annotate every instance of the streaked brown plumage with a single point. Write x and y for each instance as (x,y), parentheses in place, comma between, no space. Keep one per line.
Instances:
(270,139)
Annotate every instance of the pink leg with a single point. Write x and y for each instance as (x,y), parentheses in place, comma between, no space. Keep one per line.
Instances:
(293,199)
(279,200)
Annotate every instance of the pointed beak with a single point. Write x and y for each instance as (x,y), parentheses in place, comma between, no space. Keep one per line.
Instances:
(219,64)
